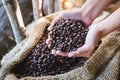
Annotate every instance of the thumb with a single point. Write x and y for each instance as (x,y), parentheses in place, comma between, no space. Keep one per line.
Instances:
(53,22)
(51,25)
(84,51)
(85,48)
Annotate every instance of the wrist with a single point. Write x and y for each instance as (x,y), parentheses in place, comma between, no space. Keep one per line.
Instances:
(93,9)
(94,34)
(86,17)
(100,29)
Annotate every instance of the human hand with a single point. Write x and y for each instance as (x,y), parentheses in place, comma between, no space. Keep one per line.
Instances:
(92,38)
(77,14)
(69,14)
(95,33)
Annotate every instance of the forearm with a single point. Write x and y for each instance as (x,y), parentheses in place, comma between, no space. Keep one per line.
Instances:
(92,8)
(110,24)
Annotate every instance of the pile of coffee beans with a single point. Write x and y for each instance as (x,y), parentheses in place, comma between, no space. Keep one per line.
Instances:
(40,62)
(68,35)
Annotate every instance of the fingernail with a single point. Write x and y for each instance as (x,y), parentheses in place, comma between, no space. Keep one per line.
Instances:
(49,28)
(53,52)
(47,41)
(50,34)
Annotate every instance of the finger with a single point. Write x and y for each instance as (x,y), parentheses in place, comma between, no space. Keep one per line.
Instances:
(50,34)
(75,54)
(81,50)
(87,54)
(72,54)
(53,22)
(54,52)
(62,53)
(84,49)
(51,25)
(48,41)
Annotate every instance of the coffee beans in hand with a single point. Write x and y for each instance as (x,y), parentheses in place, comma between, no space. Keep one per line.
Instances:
(68,35)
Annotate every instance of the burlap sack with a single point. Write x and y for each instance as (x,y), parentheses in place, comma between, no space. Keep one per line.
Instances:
(103,65)
(113,6)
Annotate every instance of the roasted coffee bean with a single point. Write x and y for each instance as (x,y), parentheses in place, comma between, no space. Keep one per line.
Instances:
(68,35)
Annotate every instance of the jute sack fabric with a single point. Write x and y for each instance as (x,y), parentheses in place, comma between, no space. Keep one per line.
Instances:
(113,6)
(103,65)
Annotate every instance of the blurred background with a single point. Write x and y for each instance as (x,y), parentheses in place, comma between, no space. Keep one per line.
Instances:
(7,40)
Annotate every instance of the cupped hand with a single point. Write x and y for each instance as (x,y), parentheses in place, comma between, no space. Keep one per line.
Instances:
(68,14)
(77,14)
(92,39)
